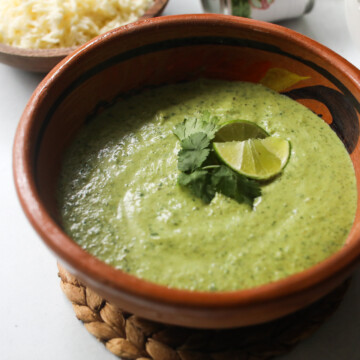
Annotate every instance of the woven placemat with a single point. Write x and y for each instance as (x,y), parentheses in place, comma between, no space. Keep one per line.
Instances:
(131,337)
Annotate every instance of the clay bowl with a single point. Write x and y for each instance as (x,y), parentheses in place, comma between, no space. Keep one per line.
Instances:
(168,50)
(43,60)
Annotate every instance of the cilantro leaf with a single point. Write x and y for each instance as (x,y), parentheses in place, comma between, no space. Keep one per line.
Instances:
(199,184)
(194,152)
(224,181)
(198,140)
(194,125)
(195,137)
(231,184)
(249,188)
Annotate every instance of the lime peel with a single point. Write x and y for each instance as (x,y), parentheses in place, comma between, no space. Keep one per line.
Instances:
(239,130)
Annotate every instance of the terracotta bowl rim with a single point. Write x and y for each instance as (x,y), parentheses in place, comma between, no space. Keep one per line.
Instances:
(72,256)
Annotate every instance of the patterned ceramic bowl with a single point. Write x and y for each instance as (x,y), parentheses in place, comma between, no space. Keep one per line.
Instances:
(168,50)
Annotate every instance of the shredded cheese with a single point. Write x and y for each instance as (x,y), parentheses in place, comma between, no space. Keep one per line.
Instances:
(46,24)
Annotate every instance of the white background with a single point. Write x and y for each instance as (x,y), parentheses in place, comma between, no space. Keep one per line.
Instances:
(37,322)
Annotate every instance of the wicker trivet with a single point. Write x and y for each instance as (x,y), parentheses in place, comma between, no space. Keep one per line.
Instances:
(131,337)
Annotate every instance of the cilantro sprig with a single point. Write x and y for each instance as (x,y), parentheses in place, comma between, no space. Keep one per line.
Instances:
(200,171)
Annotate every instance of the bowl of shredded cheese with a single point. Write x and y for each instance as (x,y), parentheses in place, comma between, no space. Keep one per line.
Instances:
(36,34)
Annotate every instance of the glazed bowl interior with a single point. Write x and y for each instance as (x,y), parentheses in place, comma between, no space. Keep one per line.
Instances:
(165,51)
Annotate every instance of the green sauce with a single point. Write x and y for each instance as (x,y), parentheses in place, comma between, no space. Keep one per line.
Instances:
(119,197)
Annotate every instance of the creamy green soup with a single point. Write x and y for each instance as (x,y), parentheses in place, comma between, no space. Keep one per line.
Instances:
(119,197)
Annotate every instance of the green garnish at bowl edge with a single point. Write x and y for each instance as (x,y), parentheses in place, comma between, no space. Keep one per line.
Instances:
(244,153)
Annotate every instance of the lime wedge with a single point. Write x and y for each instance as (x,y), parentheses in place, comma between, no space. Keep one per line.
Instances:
(259,159)
(239,130)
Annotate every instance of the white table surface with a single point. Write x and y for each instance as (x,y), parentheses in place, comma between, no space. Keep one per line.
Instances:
(37,322)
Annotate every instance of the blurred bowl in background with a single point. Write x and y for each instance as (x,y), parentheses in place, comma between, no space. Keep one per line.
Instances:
(265,10)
